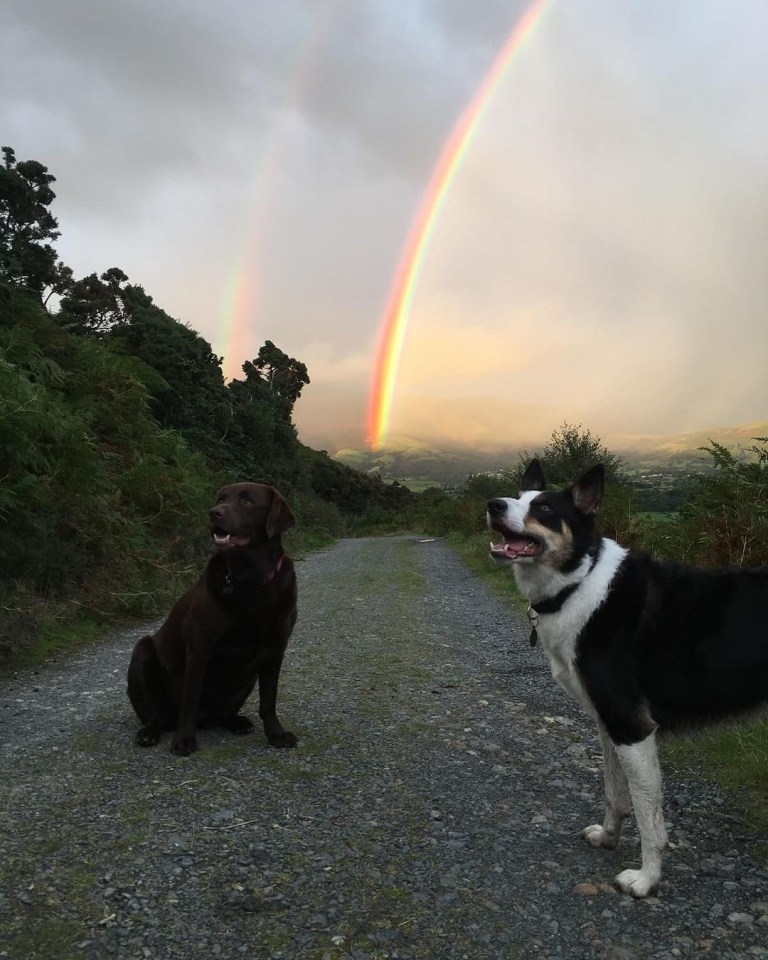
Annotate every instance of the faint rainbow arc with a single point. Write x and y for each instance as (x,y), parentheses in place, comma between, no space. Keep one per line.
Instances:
(243,284)
(397,310)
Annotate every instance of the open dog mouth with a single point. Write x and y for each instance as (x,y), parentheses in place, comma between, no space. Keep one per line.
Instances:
(223,540)
(516,546)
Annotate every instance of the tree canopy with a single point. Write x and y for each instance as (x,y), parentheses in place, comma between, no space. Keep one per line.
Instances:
(571,451)
(94,304)
(27,227)
(283,376)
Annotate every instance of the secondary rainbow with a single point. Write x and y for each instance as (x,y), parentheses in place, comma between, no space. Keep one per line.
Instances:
(395,317)
(243,289)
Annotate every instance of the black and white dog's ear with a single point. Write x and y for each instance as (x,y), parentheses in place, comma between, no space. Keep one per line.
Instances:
(588,491)
(533,478)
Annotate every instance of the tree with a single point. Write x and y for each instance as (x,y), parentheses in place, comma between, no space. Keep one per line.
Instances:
(283,376)
(571,451)
(27,258)
(96,305)
(189,395)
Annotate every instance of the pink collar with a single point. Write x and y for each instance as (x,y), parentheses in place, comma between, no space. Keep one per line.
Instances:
(229,586)
(275,571)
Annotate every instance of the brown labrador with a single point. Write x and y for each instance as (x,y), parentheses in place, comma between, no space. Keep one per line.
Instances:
(229,629)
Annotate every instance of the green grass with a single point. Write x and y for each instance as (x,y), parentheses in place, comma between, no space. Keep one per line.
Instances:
(55,636)
(419,484)
(735,757)
(299,543)
(655,516)
(473,550)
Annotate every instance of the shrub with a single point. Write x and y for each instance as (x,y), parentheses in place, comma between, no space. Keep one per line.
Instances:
(726,519)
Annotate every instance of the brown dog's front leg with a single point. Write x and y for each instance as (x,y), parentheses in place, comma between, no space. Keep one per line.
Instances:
(269,674)
(184,740)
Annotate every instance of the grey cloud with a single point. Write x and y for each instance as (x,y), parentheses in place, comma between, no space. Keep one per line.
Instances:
(619,175)
(144,90)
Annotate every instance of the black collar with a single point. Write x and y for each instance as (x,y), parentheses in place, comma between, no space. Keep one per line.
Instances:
(553,604)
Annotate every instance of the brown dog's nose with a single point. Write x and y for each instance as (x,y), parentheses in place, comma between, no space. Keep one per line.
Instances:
(497,507)
(216,513)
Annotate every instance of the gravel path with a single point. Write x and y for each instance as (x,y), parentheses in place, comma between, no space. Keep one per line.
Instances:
(431,810)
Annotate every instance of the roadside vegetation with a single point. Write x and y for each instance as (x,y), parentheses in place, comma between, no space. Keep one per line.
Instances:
(116,428)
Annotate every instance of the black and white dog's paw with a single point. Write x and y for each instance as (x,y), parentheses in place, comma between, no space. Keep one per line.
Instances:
(639,883)
(596,835)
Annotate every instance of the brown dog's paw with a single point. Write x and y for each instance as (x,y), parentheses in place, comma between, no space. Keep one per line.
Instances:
(282,739)
(148,735)
(183,746)
(238,724)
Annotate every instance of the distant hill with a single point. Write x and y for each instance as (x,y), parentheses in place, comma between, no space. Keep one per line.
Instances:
(494,435)
(410,458)
(406,458)
(735,438)
(333,418)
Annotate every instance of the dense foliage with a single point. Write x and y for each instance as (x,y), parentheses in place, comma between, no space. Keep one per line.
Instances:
(725,520)
(116,426)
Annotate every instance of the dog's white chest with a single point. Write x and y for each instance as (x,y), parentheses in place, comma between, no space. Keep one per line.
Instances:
(561,656)
(558,633)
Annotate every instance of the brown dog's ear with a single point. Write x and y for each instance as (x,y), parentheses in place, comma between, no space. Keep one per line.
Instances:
(588,491)
(533,478)
(280,516)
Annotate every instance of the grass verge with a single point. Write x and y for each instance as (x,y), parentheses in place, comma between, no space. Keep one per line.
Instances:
(473,550)
(736,758)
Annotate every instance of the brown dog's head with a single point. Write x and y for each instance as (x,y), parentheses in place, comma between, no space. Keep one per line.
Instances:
(246,514)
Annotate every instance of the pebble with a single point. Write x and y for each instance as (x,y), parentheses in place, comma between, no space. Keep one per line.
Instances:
(586,889)
(741,919)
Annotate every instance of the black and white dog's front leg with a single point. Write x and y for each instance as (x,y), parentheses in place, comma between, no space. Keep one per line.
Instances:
(617,800)
(640,762)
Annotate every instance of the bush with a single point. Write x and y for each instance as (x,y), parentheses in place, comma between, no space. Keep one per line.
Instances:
(725,522)
(93,489)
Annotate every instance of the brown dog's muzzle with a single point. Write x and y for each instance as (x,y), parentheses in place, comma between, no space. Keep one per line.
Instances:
(222,538)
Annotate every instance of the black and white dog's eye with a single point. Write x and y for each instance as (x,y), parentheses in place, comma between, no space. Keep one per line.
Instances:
(544,507)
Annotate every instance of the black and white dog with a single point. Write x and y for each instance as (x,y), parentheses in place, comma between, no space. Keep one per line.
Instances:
(646,646)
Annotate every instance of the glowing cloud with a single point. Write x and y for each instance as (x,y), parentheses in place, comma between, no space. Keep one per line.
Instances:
(395,318)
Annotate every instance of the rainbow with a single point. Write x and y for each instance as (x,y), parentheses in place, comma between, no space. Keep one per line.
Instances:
(395,317)
(241,293)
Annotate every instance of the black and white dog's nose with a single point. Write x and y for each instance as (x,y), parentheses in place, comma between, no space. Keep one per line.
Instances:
(497,507)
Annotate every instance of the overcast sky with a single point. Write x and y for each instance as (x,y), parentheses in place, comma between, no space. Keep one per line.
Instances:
(602,256)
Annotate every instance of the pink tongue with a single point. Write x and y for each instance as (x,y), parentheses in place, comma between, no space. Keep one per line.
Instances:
(515,548)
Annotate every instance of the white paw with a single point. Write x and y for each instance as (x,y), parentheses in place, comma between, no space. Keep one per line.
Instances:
(637,882)
(597,836)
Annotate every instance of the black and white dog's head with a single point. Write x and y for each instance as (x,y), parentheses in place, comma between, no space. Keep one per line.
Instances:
(539,527)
